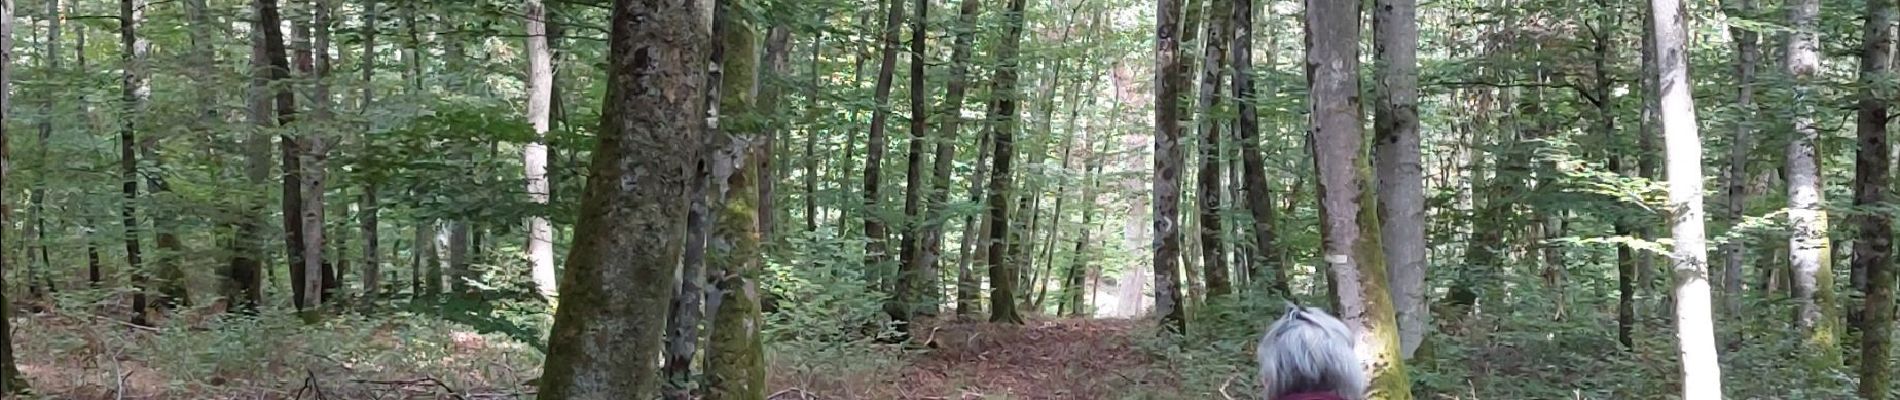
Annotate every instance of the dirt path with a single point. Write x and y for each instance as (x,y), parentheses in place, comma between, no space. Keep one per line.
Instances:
(1052,359)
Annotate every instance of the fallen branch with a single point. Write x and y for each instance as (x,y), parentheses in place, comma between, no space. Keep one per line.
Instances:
(1223,388)
(418,382)
(310,384)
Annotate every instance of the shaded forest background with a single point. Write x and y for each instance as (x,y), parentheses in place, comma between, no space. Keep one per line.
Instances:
(379,195)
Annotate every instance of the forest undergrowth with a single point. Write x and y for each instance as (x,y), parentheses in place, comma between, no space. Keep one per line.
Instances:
(71,352)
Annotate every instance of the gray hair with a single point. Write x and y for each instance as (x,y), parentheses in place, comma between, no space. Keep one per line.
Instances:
(1309,351)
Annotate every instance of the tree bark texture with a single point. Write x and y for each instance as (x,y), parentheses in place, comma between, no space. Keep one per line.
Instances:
(1695,327)
(1208,179)
(1872,251)
(1170,79)
(1396,158)
(1348,215)
(1810,252)
(621,271)
(1005,121)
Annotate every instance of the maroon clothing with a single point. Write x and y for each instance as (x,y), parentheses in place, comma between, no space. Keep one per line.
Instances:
(1312,396)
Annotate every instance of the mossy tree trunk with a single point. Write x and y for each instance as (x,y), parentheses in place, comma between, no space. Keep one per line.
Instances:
(1348,215)
(911,277)
(1004,122)
(735,354)
(620,272)
(1810,252)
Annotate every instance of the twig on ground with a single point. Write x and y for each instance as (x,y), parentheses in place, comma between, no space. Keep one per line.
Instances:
(1223,388)
(420,382)
(311,384)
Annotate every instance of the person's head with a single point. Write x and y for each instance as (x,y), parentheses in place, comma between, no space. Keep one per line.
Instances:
(1309,351)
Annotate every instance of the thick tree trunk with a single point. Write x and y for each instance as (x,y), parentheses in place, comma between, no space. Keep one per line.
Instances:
(1349,219)
(1170,80)
(911,274)
(1401,174)
(622,269)
(874,230)
(687,309)
(134,92)
(1004,123)
(1208,179)
(735,359)
(1810,253)
(1695,327)
(11,382)
(1747,56)
(534,156)
(1872,166)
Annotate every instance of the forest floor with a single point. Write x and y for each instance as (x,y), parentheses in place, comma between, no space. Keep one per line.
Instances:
(1043,359)
(68,355)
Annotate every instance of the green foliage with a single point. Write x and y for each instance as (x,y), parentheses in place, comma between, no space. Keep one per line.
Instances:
(818,293)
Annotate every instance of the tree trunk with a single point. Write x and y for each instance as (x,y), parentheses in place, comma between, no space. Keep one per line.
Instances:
(1646,133)
(735,358)
(969,285)
(813,113)
(1349,220)
(1747,55)
(1004,123)
(874,231)
(945,159)
(1810,252)
(1266,263)
(687,308)
(911,275)
(534,156)
(1208,179)
(136,89)
(621,272)
(1695,328)
(11,382)
(778,43)
(38,270)
(369,205)
(1401,174)
(1170,79)
(244,286)
(1072,303)
(1606,129)
(314,158)
(286,101)
(1872,166)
